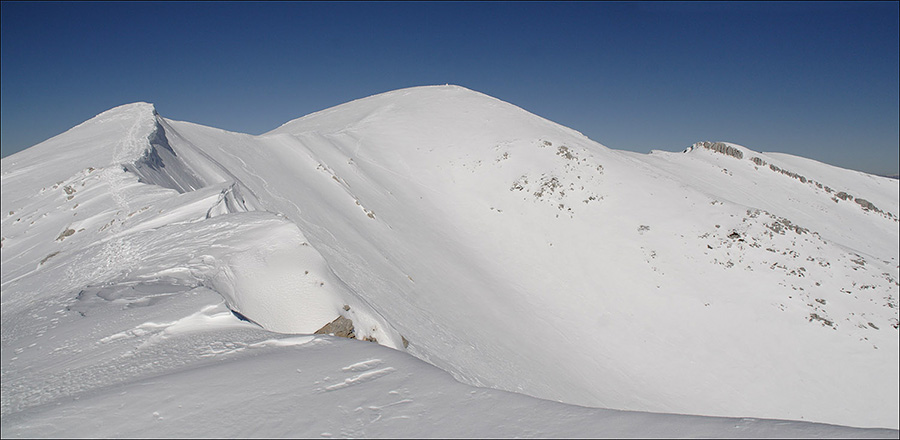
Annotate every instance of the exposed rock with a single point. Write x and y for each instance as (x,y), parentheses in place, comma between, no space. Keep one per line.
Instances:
(721,147)
(70,192)
(49,257)
(564,152)
(64,234)
(867,205)
(341,327)
(782,224)
(824,320)
(802,179)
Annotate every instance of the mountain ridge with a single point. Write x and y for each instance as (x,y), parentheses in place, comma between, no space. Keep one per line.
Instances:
(482,234)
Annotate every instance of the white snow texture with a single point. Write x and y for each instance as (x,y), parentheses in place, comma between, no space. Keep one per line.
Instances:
(568,289)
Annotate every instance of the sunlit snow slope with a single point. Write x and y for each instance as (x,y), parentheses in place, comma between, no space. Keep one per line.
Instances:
(506,249)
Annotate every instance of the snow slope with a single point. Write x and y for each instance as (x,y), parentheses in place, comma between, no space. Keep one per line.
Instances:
(210,375)
(508,250)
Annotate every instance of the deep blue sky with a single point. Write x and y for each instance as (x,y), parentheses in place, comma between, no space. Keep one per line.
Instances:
(818,80)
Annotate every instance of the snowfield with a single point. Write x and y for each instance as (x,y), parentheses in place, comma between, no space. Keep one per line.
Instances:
(161,278)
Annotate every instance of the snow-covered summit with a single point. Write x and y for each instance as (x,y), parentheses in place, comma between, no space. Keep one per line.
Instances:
(115,137)
(121,133)
(125,112)
(503,248)
(447,112)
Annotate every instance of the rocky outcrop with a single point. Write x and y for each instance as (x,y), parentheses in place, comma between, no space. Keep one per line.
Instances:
(867,205)
(802,179)
(341,327)
(721,147)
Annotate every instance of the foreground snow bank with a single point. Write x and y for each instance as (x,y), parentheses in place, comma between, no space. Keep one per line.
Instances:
(254,384)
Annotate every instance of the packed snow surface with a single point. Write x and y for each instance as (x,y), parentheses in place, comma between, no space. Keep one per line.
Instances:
(159,275)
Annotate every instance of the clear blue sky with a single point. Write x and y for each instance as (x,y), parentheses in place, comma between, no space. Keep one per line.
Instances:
(818,80)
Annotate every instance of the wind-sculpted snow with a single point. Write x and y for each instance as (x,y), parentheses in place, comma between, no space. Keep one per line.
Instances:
(121,218)
(159,165)
(507,250)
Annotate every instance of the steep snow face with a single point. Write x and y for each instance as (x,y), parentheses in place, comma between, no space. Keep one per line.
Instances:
(508,250)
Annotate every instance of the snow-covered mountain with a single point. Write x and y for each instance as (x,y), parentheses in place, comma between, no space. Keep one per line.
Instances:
(512,252)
